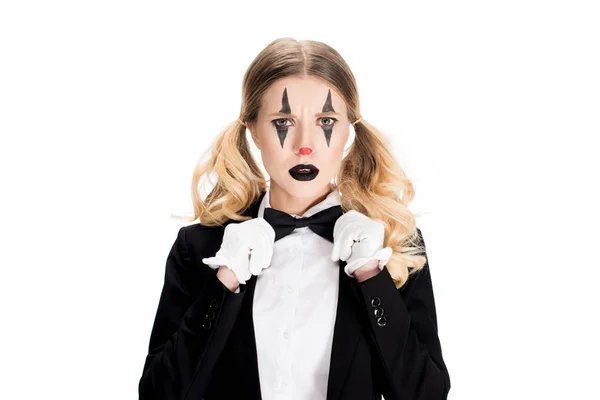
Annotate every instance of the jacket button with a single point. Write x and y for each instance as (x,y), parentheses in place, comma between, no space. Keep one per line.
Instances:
(375,301)
(206,324)
(211,315)
(378,312)
(381,321)
(213,304)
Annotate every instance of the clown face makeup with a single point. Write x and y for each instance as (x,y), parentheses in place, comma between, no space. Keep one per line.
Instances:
(301,131)
(327,107)
(285,109)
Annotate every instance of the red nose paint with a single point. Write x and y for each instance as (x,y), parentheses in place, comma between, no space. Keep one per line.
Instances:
(305,151)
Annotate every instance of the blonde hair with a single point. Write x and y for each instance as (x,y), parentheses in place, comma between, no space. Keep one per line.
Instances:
(369,181)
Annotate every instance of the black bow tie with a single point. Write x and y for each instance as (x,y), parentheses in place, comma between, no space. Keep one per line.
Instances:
(321,223)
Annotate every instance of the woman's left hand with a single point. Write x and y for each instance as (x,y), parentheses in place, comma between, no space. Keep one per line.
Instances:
(358,240)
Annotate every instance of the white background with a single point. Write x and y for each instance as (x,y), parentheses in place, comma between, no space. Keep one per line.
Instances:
(493,110)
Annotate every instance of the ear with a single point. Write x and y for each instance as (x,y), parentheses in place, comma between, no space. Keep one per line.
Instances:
(253,133)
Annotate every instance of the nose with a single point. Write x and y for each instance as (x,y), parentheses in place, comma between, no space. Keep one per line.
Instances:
(304,137)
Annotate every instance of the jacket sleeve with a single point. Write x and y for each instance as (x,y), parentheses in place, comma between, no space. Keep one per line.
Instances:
(195,315)
(403,327)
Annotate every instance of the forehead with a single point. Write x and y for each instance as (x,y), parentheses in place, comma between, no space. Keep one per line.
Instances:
(305,91)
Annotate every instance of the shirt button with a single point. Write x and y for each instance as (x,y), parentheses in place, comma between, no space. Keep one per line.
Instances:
(289,289)
(286,335)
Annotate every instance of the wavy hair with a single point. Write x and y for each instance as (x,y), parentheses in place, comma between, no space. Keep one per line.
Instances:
(370,180)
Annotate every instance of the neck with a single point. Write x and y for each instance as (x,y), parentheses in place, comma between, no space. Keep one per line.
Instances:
(281,200)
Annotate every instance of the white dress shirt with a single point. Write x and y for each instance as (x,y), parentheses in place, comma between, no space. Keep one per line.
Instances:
(294,311)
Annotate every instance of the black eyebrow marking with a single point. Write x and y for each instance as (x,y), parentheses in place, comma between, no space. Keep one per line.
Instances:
(285,108)
(285,105)
(328,107)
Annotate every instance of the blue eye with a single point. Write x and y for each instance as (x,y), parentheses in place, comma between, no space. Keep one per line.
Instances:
(333,120)
(280,122)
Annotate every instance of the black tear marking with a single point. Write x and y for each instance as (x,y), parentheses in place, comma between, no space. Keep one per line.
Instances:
(328,107)
(285,108)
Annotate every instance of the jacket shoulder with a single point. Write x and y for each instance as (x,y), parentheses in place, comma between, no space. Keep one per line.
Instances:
(200,240)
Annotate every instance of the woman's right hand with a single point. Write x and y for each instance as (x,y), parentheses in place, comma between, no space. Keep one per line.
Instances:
(246,249)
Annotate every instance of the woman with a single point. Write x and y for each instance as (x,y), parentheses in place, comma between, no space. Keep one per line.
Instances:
(314,287)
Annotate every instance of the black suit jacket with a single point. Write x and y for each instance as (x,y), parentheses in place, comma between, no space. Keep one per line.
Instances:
(202,344)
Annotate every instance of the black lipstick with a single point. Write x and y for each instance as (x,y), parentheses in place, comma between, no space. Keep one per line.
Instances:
(304,172)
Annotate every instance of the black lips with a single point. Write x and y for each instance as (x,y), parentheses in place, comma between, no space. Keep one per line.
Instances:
(299,167)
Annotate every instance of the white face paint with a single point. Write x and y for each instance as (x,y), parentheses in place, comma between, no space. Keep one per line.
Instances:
(301,113)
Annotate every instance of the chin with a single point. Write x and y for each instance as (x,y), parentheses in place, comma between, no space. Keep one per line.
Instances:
(305,189)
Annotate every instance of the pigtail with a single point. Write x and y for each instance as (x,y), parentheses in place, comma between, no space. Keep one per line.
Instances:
(372,182)
(238,179)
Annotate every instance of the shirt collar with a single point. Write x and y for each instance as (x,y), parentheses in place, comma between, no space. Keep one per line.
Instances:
(332,199)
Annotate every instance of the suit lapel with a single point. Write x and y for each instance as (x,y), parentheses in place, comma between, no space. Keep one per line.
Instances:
(346,333)
(245,340)
(243,343)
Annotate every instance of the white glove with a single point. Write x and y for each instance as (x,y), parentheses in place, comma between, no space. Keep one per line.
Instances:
(246,249)
(358,239)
